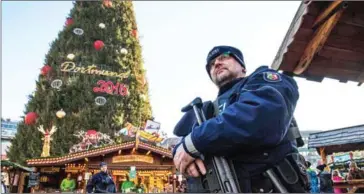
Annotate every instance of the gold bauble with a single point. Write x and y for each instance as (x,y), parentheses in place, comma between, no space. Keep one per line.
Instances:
(60,114)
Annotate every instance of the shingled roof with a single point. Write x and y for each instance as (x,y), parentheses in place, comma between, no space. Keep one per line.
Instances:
(97,152)
(325,40)
(338,140)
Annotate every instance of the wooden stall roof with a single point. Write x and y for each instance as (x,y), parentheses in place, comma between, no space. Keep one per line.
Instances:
(325,39)
(15,165)
(338,140)
(97,152)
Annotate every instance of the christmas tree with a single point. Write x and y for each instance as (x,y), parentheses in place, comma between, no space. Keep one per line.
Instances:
(92,79)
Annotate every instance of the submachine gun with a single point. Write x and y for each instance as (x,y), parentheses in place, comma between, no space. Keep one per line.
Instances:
(221,176)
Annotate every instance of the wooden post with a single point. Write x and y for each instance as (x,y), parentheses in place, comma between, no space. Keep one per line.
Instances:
(86,171)
(324,158)
(323,155)
(174,180)
(21,182)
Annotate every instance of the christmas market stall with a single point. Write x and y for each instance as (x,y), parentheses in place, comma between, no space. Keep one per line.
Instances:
(324,40)
(15,176)
(137,157)
(338,148)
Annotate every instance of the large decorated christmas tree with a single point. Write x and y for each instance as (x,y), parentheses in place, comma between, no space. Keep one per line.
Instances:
(92,79)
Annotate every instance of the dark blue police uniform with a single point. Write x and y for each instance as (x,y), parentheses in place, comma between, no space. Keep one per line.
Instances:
(251,128)
(101,182)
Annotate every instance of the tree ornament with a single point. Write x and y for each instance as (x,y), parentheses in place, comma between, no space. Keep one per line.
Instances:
(78,31)
(143,97)
(98,44)
(135,33)
(47,139)
(102,25)
(60,114)
(45,70)
(123,51)
(69,21)
(100,100)
(107,3)
(57,83)
(30,118)
(70,56)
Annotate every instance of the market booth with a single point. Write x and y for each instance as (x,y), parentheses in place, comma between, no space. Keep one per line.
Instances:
(324,40)
(153,166)
(15,176)
(337,148)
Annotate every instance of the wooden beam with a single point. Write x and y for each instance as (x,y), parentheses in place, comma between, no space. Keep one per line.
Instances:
(328,12)
(317,42)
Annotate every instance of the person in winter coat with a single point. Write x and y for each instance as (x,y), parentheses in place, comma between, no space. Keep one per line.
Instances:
(101,182)
(355,173)
(337,178)
(326,184)
(312,176)
(3,186)
(68,184)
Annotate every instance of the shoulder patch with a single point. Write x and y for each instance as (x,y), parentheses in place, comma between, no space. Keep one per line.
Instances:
(272,77)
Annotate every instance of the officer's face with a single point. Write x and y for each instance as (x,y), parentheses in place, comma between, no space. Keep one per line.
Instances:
(104,168)
(224,69)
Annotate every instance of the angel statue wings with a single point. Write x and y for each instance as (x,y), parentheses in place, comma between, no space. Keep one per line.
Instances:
(47,139)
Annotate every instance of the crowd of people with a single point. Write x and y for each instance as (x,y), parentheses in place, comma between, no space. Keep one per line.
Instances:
(323,181)
(102,182)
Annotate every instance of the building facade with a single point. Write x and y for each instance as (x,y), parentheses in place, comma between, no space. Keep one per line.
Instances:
(309,154)
(8,131)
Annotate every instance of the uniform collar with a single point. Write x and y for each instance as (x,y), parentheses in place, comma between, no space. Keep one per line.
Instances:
(228,86)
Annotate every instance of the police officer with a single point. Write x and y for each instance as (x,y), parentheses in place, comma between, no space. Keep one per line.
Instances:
(255,113)
(101,182)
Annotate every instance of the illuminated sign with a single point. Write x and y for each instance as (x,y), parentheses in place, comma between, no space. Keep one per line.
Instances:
(50,169)
(132,158)
(69,66)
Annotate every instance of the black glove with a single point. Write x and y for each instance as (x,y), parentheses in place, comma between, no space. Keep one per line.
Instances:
(188,120)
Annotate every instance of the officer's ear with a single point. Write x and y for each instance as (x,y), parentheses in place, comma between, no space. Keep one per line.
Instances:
(244,70)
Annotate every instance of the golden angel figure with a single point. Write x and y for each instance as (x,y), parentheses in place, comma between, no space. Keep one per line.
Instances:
(47,139)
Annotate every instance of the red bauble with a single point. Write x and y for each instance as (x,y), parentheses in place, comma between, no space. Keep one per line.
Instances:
(107,3)
(30,118)
(91,132)
(135,33)
(45,70)
(98,44)
(69,21)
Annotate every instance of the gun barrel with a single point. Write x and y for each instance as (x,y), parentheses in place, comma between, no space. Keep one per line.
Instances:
(273,177)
